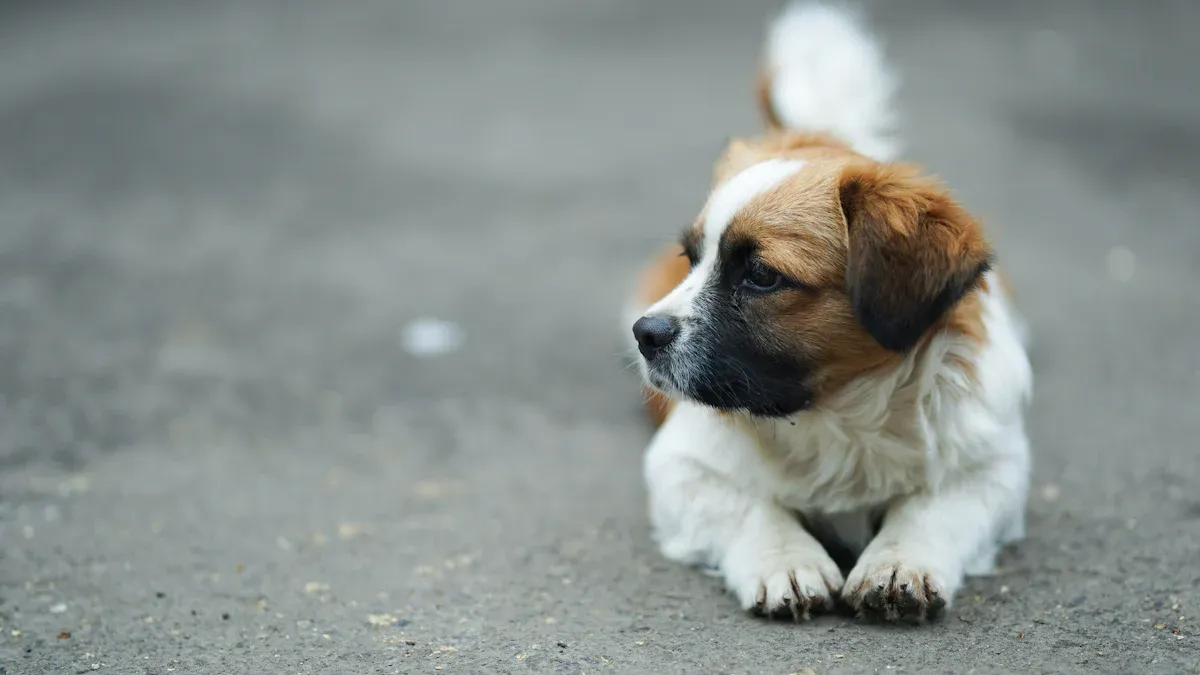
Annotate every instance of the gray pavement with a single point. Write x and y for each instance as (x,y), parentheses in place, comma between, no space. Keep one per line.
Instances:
(216,220)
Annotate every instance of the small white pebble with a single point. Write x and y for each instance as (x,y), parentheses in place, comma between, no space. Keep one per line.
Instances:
(352,530)
(1121,263)
(59,608)
(28,531)
(380,620)
(426,337)
(74,485)
(1050,492)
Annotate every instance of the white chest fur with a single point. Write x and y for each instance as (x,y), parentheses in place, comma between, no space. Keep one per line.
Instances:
(905,430)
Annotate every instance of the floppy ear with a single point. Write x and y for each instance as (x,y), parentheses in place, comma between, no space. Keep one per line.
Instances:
(913,251)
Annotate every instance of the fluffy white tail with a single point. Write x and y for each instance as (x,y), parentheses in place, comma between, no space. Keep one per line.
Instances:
(826,72)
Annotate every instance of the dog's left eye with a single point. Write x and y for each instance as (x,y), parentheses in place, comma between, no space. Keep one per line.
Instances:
(761,278)
(689,252)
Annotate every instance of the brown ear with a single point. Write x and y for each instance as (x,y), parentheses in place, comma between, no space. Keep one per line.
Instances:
(913,251)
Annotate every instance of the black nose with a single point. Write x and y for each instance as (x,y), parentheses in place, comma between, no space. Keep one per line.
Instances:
(653,333)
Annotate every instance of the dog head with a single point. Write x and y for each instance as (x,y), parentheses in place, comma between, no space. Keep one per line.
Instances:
(807,270)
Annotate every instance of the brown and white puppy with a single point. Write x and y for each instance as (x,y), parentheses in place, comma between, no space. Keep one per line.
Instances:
(838,374)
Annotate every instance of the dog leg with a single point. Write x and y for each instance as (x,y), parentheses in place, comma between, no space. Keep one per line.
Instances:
(929,541)
(701,516)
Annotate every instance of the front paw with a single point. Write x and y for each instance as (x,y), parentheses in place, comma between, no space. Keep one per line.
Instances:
(783,583)
(896,591)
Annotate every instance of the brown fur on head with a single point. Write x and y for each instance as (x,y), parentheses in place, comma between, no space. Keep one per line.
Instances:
(865,260)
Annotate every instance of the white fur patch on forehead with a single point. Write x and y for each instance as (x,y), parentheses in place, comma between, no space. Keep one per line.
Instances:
(733,195)
(724,203)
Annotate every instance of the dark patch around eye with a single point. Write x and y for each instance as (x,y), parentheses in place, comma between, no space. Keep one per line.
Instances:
(761,277)
(735,253)
(738,255)
(740,263)
(690,240)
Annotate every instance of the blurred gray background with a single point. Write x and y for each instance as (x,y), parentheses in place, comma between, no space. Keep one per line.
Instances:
(219,220)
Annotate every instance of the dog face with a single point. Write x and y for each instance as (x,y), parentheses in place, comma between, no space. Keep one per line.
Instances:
(806,273)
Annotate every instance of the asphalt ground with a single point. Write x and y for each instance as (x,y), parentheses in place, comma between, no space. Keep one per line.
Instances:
(219,222)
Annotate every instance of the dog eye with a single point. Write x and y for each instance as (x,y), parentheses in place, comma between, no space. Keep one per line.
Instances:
(690,253)
(687,253)
(761,278)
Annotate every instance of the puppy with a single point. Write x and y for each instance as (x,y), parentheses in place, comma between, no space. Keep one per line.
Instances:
(837,370)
